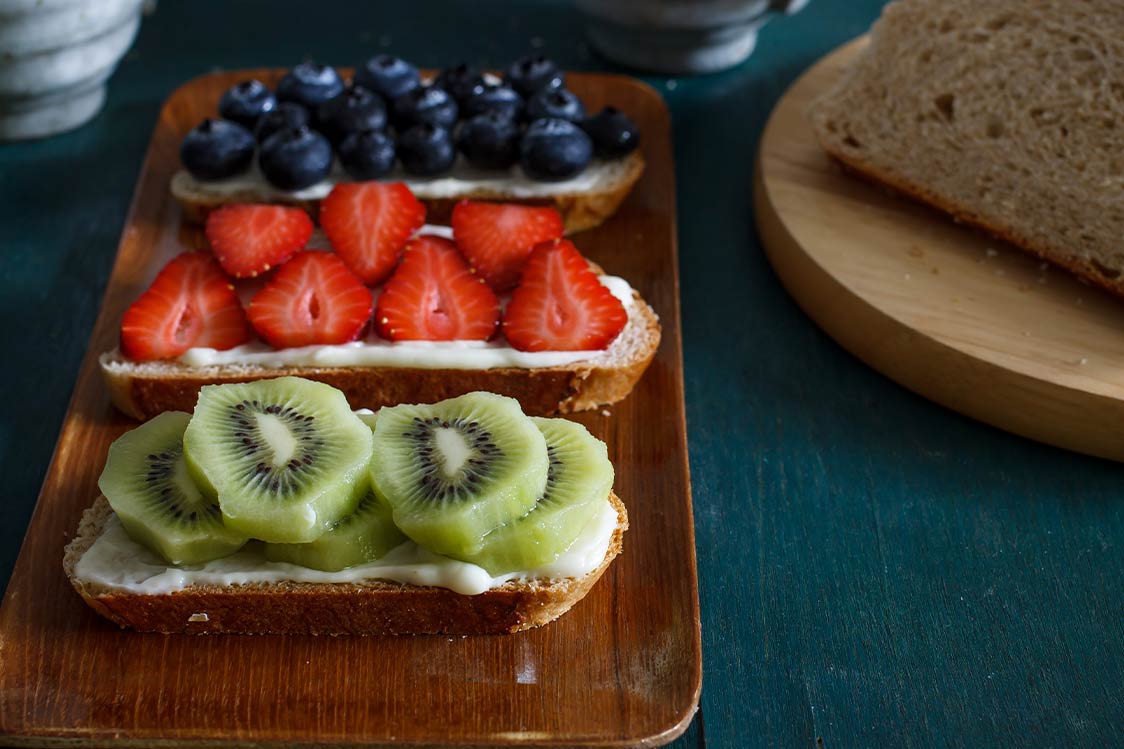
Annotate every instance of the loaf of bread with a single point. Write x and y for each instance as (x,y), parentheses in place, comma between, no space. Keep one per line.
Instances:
(144,389)
(370,607)
(599,196)
(1005,114)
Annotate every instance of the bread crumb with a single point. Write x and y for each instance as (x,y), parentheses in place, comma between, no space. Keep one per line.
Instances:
(606,413)
(1082,361)
(1043,267)
(992,252)
(1000,272)
(199,618)
(907,276)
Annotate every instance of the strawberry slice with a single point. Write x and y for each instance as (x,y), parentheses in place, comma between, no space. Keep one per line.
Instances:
(433,296)
(312,299)
(190,303)
(250,239)
(560,305)
(368,224)
(497,237)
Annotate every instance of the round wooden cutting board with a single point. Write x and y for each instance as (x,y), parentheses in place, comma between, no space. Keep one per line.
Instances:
(951,313)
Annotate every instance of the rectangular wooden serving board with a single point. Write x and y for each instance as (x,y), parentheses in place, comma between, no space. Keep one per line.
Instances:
(623,668)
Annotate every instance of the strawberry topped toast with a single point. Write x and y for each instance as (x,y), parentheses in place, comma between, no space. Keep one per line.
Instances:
(385,307)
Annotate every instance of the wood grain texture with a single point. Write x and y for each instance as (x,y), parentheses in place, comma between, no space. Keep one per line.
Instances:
(621,669)
(949,312)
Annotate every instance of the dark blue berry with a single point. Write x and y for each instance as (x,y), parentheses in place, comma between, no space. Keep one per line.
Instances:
(367,154)
(245,102)
(310,84)
(354,109)
(554,149)
(216,149)
(287,114)
(531,74)
(494,97)
(425,105)
(388,76)
(426,150)
(489,140)
(613,133)
(555,104)
(295,158)
(460,81)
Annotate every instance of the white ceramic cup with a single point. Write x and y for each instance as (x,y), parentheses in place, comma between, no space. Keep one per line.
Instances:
(55,57)
(679,36)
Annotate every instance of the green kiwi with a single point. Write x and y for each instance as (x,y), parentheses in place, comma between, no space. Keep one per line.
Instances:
(286,458)
(363,536)
(579,479)
(150,489)
(455,470)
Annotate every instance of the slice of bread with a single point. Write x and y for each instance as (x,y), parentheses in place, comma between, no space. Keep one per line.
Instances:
(1005,114)
(372,607)
(145,389)
(583,204)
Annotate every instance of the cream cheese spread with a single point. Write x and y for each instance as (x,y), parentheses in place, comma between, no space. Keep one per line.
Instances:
(462,179)
(116,561)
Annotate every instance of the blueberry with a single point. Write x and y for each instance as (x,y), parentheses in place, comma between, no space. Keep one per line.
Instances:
(555,104)
(494,97)
(367,154)
(554,149)
(425,105)
(489,140)
(613,133)
(294,158)
(245,102)
(426,150)
(287,114)
(354,109)
(531,74)
(460,81)
(216,149)
(310,84)
(387,76)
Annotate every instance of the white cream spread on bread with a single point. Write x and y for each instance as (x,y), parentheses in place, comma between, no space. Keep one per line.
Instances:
(374,351)
(461,180)
(116,561)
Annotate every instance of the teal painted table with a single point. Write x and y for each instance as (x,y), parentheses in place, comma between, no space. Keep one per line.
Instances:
(873,570)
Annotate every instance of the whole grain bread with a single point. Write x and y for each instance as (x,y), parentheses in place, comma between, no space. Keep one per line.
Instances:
(1005,114)
(145,389)
(374,607)
(580,209)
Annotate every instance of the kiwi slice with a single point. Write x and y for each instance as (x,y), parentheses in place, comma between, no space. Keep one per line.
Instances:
(363,536)
(286,458)
(150,489)
(454,470)
(579,478)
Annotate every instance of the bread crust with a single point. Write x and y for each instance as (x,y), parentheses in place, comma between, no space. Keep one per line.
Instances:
(543,391)
(963,213)
(369,608)
(579,210)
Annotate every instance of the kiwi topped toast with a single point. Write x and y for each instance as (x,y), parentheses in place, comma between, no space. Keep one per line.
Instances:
(276,509)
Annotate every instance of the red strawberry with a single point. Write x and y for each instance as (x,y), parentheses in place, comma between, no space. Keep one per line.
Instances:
(560,305)
(250,239)
(312,299)
(433,296)
(497,237)
(191,303)
(368,224)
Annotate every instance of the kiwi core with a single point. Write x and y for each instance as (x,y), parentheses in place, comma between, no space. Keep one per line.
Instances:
(453,448)
(278,437)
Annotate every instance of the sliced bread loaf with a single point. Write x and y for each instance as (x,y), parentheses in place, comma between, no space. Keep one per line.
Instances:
(1005,114)
(367,607)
